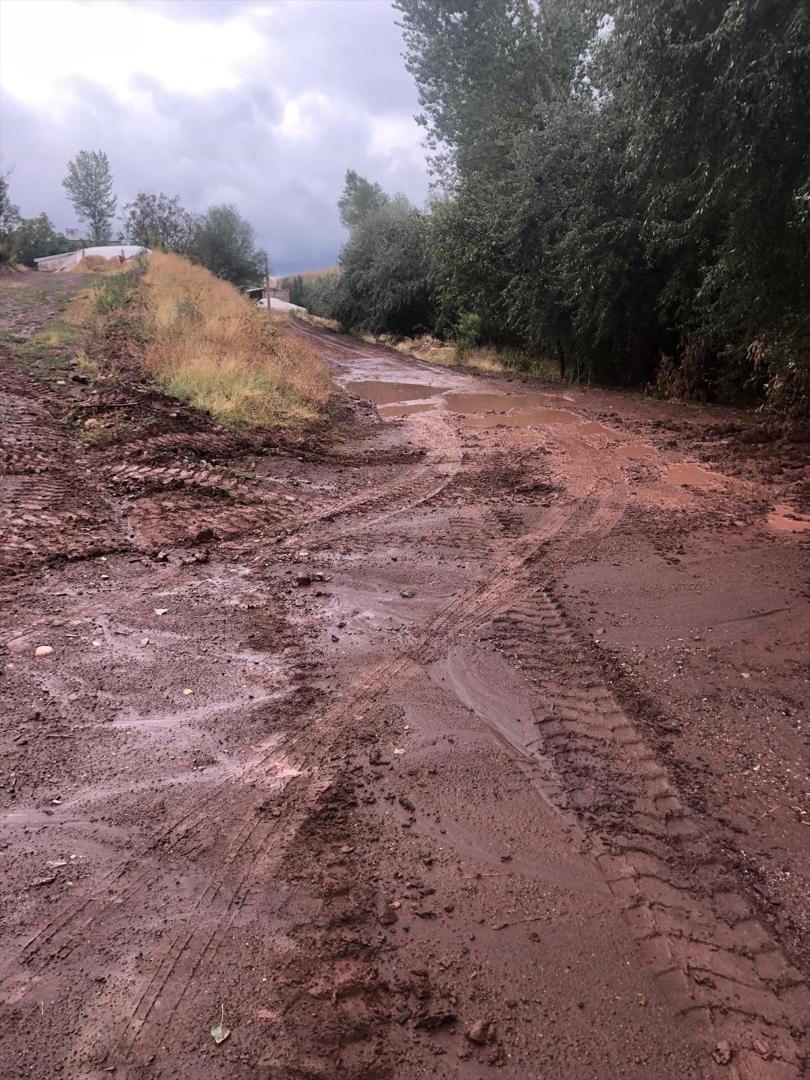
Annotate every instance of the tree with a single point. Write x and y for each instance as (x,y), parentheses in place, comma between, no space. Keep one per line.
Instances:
(158,221)
(36,237)
(634,188)
(224,242)
(359,199)
(89,185)
(386,281)
(9,220)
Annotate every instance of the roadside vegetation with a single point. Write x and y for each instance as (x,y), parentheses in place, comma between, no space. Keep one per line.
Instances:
(206,343)
(622,188)
(220,238)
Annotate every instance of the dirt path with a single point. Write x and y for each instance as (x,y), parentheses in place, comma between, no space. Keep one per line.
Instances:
(466,739)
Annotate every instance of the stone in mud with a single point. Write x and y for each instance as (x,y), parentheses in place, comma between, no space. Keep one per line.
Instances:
(303,578)
(723,1052)
(407,594)
(481,1032)
(43,650)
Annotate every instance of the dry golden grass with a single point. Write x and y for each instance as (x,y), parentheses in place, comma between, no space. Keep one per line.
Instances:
(211,346)
(98,264)
(487,359)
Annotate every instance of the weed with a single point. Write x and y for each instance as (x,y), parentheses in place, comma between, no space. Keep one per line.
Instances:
(209,345)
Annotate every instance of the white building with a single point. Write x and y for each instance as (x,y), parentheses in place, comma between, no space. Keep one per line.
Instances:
(54,263)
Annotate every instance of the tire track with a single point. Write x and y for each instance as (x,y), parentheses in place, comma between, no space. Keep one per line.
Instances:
(660,863)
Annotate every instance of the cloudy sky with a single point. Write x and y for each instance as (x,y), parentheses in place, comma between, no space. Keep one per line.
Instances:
(262,103)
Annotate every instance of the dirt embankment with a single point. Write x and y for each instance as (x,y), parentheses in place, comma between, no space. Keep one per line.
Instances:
(464,738)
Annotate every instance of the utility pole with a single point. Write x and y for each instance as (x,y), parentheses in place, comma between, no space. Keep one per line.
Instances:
(267,280)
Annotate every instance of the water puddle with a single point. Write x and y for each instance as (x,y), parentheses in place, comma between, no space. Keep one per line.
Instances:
(493,402)
(519,418)
(686,475)
(392,411)
(784,519)
(391,393)
(634,451)
(593,427)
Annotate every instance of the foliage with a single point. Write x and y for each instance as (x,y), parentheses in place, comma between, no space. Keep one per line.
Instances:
(89,185)
(117,290)
(9,221)
(209,344)
(624,182)
(359,199)
(224,242)
(316,294)
(159,222)
(36,238)
(386,279)
(467,332)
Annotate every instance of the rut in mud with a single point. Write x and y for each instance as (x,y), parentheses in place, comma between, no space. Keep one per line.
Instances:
(465,736)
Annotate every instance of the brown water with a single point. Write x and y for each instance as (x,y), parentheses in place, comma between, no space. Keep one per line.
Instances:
(633,451)
(520,418)
(784,519)
(388,393)
(686,475)
(493,402)
(392,411)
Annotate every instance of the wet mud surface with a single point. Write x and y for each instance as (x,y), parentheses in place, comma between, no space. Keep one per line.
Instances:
(465,738)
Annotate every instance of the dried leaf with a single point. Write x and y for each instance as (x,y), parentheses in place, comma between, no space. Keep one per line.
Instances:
(220,1033)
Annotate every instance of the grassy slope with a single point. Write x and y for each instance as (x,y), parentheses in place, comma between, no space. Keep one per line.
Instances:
(209,345)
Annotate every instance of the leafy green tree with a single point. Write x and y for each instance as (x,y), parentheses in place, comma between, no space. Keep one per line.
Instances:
(224,242)
(624,181)
(386,284)
(158,221)
(9,220)
(359,199)
(36,238)
(89,186)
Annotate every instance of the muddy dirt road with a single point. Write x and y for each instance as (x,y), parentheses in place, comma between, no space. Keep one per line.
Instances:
(466,738)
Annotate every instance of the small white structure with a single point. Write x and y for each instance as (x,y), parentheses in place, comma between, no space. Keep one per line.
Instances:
(278,305)
(54,263)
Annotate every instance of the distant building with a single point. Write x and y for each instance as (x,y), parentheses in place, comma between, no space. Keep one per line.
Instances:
(52,264)
(276,292)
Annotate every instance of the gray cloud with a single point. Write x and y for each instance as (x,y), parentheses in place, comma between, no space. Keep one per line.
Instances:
(342,56)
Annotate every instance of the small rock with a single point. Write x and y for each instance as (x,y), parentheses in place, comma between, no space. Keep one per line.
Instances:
(762,1048)
(43,650)
(46,879)
(161,610)
(723,1052)
(303,578)
(407,594)
(479,1032)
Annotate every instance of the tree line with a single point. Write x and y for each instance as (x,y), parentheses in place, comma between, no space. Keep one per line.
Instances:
(624,186)
(220,238)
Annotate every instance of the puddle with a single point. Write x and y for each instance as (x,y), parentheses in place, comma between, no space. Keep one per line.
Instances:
(783,519)
(405,410)
(686,475)
(503,403)
(529,418)
(633,451)
(391,393)
(507,410)
(593,427)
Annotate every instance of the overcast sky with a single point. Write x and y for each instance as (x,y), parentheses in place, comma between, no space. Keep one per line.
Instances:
(262,103)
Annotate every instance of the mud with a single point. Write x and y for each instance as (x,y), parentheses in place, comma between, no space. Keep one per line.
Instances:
(464,738)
